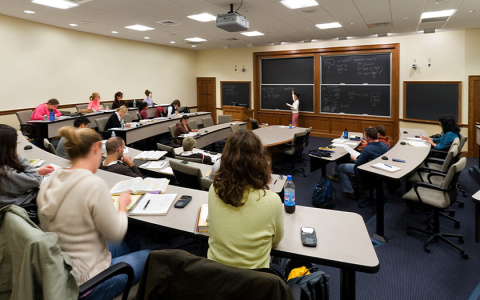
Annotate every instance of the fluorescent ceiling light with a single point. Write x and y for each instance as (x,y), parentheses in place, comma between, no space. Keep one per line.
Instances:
(61,4)
(73,24)
(205,17)
(139,27)
(114,32)
(146,37)
(294,4)
(193,46)
(29,11)
(329,25)
(196,39)
(437,14)
(252,33)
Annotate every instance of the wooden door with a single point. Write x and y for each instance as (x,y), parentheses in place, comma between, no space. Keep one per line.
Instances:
(473,114)
(206,96)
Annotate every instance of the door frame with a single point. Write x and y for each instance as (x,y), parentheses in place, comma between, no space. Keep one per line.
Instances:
(472,145)
(214,93)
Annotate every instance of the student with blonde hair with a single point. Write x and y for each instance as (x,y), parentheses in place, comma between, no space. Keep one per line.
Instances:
(77,206)
(115,120)
(94,102)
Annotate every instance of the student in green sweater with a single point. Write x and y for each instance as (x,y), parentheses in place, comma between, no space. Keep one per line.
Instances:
(245,219)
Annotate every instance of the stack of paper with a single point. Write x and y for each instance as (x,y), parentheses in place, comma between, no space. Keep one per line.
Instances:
(339,141)
(150,155)
(192,134)
(385,167)
(154,204)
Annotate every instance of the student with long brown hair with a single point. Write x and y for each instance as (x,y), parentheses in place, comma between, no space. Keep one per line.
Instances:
(245,219)
(77,206)
(118,100)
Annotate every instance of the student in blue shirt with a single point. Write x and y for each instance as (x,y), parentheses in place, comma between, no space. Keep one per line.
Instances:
(374,149)
(149,99)
(450,131)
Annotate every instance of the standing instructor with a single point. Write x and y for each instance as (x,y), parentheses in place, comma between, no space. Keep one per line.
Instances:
(294,108)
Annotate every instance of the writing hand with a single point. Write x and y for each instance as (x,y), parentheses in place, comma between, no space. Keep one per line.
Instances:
(45,170)
(124,201)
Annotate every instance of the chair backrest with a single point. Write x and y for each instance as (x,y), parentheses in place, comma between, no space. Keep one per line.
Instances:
(463,140)
(185,175)
(451,179)
(207,122)
(49,146)
(449,159)
(205,183)
(234,127)
(171,129)
(24,116)
(254,123)
(193,124)
(192,159)
(101,122)
(298,141)
(109,104)
(127,118)
(139,117)
(224,119)
(170,150)
(81,106)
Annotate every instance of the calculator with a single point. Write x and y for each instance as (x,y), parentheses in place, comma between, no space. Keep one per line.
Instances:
(309,237)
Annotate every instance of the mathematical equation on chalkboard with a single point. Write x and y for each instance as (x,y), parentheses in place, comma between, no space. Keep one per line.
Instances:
(277,96)
(236,93)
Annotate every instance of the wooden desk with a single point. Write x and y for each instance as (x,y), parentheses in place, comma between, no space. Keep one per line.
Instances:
(413,156)
(276,135)
(476,200)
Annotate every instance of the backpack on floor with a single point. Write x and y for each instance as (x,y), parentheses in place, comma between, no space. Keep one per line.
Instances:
(323,194)
(314,286)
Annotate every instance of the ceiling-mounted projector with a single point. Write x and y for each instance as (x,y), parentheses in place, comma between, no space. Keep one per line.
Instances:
(232,21)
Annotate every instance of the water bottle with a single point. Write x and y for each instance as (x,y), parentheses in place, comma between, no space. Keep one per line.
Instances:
(345,134)
(113,133)
(290,125)
(123,123)
(134,103)
(52,115)
(289,195)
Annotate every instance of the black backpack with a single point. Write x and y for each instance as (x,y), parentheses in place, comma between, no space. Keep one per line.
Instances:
(323,194)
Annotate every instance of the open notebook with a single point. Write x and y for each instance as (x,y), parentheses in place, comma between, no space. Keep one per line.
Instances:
(154,204)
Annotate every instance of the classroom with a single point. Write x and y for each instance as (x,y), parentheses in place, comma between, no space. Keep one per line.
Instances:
(40,61)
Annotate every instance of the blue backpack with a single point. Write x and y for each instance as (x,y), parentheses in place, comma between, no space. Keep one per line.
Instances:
(323,194)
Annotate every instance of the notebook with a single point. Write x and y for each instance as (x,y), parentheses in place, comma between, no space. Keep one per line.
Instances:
(385,167)
(154,204)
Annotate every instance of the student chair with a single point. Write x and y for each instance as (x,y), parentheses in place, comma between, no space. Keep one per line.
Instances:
(224,119)
(176,141)
(127,118)
(139,117)
(185,175)
(193,124)
(101,123)
(254,124)
(34,267)
(170,150)
(109,104)
(205,183)
(24,116)
(438,197)
(81,107)
(442,153)
(207,122)
(295,150)
(167,273)
(49,146)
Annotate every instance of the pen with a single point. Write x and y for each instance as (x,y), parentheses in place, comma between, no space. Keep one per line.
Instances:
(148,202)
(275,182)
(384,164)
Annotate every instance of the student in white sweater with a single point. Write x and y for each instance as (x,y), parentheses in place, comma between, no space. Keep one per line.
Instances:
(77,206)
(294,108)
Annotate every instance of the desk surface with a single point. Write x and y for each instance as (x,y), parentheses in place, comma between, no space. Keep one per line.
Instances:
(276,135)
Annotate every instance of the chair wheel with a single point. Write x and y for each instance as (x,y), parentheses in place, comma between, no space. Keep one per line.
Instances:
(427,250)
(460,240)
(457,225)
(464,256)
(461,205)
(451,213)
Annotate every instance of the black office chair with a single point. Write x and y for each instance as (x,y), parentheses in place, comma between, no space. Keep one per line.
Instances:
(170,150)
(185,175)
(438,197)
(295,150)
(254,124)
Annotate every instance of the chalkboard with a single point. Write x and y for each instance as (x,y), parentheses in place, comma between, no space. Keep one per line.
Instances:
(356,69)
(236,92)
(356,99)
(276,96)
(430,100)
(296,70)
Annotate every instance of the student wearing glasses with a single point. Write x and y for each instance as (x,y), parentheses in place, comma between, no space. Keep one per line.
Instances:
(116,161)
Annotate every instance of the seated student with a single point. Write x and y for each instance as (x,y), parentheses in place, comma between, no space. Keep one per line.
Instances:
(77,206)
(149,99)
(80,122)
(183,128)
(188,144)
(118,100)
(94,103)
(115,120)
(116,162)
(45,108)
(374,149)
(142,110)
(382,137)
(19,181)
(450,131)
(172,108)
(245,219)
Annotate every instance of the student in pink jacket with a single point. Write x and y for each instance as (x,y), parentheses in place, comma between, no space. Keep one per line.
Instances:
(45,108)
(94,102)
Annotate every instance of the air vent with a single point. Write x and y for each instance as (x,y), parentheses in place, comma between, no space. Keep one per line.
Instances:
(167,23)
(383,24)
(78,1)
(439,19)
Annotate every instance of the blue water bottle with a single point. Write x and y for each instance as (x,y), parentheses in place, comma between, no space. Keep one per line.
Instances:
(345,134)
(289,195)
(290,125)
(52,115)
(123,123)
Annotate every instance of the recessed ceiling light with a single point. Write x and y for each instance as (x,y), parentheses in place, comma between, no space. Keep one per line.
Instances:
(249,45)
(205,17)
(314,40)
(252,33)
(139,27)
(196,39)
(194,46)
(472,10)
(73,24)
(172,42)
(146,37)
(294,4)
(405,18)
(114,32)
(329,25)
(29,11)
(352,23)
(225,47)
(61,4)
(437,14)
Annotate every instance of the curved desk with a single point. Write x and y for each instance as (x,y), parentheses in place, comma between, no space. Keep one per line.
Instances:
(276,135)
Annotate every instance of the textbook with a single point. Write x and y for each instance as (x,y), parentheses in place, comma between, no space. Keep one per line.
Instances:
(385,167)
(150,155)
(132,203)
(154,204)
(202,225)
(140,186)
